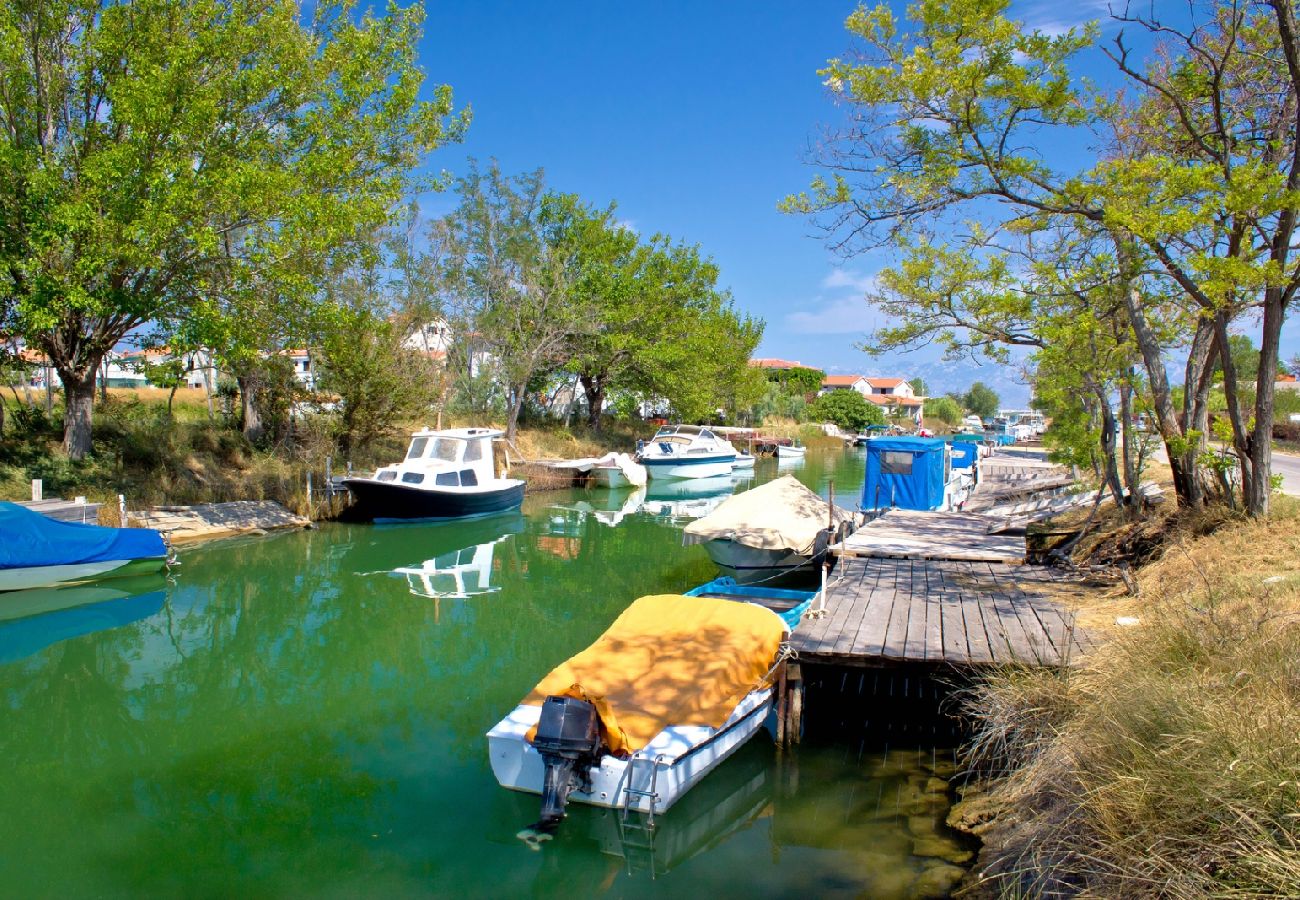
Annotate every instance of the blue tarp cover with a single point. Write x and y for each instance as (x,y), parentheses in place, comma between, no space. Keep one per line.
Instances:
(964,454)
(30,539)
(919,488)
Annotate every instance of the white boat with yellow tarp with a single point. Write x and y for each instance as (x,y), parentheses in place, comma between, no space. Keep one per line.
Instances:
(668,692)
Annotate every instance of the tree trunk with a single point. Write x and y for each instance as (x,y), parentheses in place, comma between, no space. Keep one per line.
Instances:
(594,388)
(78,402)
(516,399)
(1108,455)
(249,385)
(1131,469)
(1260,488)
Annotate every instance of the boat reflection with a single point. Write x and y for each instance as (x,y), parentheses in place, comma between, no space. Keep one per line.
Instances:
(730,800)
(608,506)
(467,570)
(687,499)
(52,615)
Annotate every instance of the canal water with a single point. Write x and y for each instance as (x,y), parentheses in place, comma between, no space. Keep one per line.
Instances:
(303,715)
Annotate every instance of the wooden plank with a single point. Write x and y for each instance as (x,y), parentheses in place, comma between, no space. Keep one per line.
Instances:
(932,598)
(977,637)
(912,534)
(843,642)
(895,643)
(819,635)
(1023,635)
(955,642)
(870,637)
(915,585)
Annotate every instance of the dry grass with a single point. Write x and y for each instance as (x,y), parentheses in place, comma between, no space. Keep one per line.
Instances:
(1168,764)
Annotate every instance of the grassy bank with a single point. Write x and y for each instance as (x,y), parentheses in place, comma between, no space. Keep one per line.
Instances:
(187,456)
(1168,763)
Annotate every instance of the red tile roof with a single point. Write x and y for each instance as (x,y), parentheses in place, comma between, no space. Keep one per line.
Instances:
(841,380)
(771,363)
(884,382)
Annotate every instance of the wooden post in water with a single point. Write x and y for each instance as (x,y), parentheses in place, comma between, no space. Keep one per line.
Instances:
(794,684)
(309,493)
(780,707)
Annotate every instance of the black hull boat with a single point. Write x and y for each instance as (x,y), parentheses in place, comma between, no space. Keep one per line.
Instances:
(379,501)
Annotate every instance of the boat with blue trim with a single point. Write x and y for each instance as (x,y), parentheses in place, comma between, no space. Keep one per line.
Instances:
(686,451)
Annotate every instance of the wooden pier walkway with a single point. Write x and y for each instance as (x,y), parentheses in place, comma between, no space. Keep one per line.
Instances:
(962,613)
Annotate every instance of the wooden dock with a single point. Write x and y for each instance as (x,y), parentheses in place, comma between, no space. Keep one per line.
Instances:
(911,534)
(960,613)
(210,520)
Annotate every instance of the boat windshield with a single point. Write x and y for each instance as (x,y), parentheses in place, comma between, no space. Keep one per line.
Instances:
(417,448)
(447,449)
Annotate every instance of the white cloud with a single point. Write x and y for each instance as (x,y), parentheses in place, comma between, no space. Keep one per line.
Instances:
(846,316)
(844,278)
(1053,18)
(627,225)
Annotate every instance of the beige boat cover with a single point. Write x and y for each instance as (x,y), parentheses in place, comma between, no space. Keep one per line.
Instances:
(779,515)
(669,660)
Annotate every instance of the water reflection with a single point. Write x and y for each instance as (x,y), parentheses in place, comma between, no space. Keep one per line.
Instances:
(682,500)
(74,612)
(458,574)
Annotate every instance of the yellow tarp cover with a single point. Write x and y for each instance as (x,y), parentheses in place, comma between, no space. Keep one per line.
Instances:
(668,660)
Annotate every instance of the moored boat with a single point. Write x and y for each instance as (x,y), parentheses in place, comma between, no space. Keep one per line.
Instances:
(667,693)
(37,551)
(789,604)
(777,529)
(446,474)
(918,473)
(618,470)
(792,451)
(686,451)
(743,461)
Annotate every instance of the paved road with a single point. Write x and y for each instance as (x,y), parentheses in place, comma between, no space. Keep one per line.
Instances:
(1288,467)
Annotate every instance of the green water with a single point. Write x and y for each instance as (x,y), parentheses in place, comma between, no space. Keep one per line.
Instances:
(289,717)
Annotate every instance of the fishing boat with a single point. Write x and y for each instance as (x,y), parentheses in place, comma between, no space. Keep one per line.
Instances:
(686,451)
(37,551)
(779,529)
(618,470)
(671,689)
(792,451)
(789,604)
(446,474)
(918,473)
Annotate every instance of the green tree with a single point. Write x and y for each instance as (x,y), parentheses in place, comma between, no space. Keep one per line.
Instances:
(847,409)
(945,409)
(1195,184)
(918,386)
(981,400)
(156,156)
(800,380)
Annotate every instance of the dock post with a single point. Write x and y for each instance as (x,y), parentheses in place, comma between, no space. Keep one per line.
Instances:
(309,493)
(121,511)
(794,704)
(38,489)
(780,708)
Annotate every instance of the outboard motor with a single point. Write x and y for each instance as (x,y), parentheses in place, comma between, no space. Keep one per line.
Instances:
(568,737)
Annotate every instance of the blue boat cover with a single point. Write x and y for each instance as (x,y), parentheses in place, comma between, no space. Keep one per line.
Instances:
(964,454)
(28,538)
(906,472)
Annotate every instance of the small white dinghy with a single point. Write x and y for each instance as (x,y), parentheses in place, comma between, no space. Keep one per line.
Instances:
(617,470)
(791,452)
(671,689)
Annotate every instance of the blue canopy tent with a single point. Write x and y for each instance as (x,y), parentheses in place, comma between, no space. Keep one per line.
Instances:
(964,454)
(905,472)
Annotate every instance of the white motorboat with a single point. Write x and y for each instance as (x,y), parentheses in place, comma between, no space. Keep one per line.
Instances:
(779,528)
(790,452)
(446,474)
(686,451)
(743,461)
(669,691)
(618,470)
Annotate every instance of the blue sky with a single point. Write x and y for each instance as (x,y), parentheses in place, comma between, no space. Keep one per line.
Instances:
(695,118)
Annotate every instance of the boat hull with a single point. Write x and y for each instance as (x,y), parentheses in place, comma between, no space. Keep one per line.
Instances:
(24,578)
(751,564)
(386,501)
(685,467)
(610,477)
(684,754)
(783,452)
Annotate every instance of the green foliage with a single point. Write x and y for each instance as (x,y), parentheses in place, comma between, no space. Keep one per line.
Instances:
(981,400)
(945,409)
(195,164)
(847,409)
(800,380)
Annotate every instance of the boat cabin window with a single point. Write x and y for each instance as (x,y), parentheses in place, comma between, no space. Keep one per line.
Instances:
(895,462)
(468,478)
(390,475)
(446,449)
(413,477)
(447,479)
(474,451)
(417,448)
(707,435)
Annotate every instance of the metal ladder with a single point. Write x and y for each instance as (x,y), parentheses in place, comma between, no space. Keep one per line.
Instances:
(637,833)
